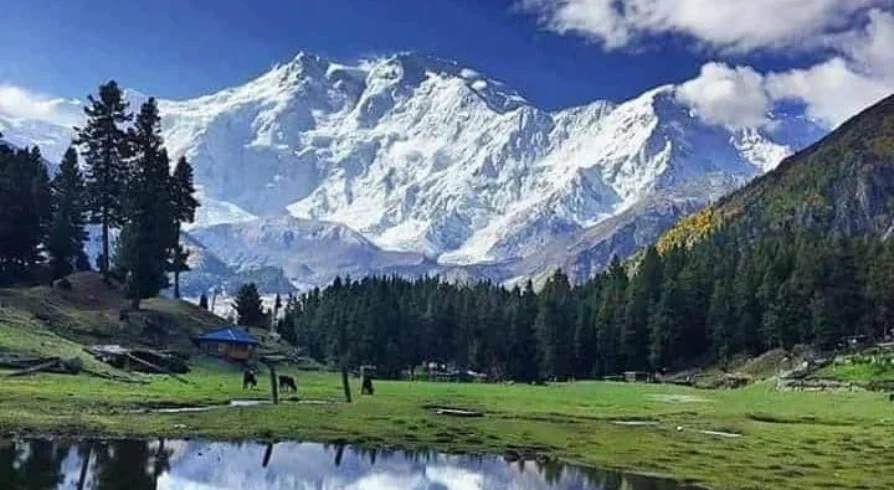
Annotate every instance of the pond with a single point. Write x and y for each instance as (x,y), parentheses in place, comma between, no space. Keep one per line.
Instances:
(41,464)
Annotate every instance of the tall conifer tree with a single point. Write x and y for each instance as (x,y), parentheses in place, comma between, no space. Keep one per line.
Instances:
(146,238)
(183,210)
(105,147)
(65,240)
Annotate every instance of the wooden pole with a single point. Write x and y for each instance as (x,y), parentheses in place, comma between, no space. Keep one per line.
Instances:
(273,386)
(345,383)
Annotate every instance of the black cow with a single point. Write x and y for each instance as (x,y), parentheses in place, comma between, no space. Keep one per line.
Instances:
(287,383)
(249,380)
(891,397)
(366,387)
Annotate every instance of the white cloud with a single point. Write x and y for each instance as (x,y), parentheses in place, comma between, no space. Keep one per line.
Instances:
(856,35)
(17,102)
(832,91)
(862,74)
(873,48)
(728,25)
(732,97)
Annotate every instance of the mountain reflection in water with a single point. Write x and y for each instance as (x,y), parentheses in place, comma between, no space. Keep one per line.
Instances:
(200,465)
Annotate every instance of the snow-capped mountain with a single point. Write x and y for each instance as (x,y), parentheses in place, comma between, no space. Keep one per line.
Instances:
(420,154)
(413,161)
(310,252)
(52,138)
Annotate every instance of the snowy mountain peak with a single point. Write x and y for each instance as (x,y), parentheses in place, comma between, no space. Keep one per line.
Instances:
(415,155)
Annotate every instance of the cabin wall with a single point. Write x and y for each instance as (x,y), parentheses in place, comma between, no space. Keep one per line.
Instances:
(229,350)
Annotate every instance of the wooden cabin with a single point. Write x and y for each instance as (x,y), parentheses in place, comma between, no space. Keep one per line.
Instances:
(231,343)
(637,377)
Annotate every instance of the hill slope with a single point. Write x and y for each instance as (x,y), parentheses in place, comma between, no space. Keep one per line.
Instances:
(89,313)
(840,186)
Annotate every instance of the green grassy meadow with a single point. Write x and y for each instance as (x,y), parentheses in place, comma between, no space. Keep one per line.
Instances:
(788,440)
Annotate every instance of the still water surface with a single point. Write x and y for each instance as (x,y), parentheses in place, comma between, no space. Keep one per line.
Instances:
(201,465)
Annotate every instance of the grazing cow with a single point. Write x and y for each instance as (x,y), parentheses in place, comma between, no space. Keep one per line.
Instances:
(287,383)
(366,387)
(891,397)
(249,380)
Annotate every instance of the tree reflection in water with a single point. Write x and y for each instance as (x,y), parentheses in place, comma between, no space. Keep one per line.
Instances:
(141,465)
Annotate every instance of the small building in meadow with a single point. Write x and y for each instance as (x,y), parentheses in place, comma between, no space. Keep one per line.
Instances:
(232,343)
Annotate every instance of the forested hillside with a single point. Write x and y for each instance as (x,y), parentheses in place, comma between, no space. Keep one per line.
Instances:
(797,257)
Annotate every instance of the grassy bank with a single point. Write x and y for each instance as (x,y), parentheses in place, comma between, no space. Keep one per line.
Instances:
(788,440)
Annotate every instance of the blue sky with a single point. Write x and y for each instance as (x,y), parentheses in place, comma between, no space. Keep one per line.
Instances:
(558,53)
(186,48)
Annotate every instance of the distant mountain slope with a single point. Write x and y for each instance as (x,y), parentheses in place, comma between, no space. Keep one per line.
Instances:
(842,185)
(309,252)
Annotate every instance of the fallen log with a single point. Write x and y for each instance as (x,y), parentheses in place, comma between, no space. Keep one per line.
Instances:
(52,364)
(112,377)
(120,357)
(157,368)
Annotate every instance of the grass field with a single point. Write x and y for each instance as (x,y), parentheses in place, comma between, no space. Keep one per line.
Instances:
(788,440)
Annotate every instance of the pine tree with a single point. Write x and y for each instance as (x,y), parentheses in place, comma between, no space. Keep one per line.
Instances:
(609,318)
(664,326)
(178,265)
(183,192)
(880,291)
(183,205)
(784,318)
(65,241)
(42,196)
(585,340)
(555,327)
(721,321)
(25,212)
(149,232)
(248,305)
(105,147)
(642,297)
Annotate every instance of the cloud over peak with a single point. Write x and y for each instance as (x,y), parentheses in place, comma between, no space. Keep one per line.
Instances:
(727,25)
(732,97)
(855,36)
(17,102)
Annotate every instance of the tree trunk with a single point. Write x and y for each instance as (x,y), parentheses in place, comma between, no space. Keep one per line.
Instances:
(345,384)
(104,263)
(177,284)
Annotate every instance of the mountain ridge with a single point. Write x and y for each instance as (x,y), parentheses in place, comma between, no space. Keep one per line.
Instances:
(424,156)
(841,185)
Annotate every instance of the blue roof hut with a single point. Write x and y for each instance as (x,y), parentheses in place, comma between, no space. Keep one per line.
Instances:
(232,343)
